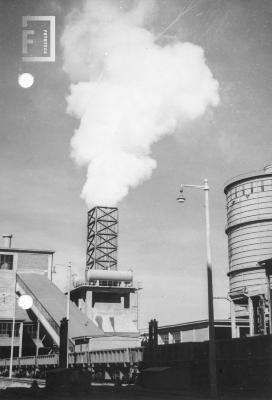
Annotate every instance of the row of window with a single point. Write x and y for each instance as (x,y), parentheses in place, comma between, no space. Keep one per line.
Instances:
(110,283)
(249,188)
(6,329)
(175,335)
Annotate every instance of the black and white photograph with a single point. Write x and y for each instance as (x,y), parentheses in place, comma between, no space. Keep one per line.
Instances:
(136,199)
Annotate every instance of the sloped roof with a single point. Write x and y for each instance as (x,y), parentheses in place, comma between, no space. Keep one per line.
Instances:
(21,315)
(55,302)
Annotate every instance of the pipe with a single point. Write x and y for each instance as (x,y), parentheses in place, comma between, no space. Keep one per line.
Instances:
(7,240)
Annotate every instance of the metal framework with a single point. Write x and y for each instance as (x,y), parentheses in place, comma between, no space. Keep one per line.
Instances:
(102,238)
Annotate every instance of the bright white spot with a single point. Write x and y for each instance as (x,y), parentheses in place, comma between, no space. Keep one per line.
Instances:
(26,80)
(25,301)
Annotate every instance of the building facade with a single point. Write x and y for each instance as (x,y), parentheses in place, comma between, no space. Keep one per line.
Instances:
(197,331)
(12,262)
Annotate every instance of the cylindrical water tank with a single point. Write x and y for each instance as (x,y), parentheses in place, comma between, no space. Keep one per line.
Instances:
(249,229)
(109,275)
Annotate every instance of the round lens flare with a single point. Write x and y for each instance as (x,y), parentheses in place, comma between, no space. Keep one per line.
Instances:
(25,80)
(25,301)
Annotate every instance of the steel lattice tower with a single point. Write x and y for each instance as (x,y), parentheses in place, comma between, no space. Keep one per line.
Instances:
(102,238)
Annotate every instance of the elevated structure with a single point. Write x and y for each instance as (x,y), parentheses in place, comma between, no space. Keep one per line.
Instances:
(105,296)
(249,230)
(102,238)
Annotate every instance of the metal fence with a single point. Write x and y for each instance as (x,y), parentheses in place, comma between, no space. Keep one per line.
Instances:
(111,356)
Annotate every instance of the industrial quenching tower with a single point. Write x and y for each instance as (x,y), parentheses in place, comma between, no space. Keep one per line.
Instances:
(105,295)
(249,230)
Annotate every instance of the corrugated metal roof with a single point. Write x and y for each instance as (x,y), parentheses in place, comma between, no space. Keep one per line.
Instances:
(54,301)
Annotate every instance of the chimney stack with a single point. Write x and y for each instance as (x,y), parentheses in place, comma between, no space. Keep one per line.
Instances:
(7,240)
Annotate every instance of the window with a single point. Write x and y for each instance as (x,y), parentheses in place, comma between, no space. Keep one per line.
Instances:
(165,338)
(109,283)
(176,337)
(6,329)
(6,261)
(32,331)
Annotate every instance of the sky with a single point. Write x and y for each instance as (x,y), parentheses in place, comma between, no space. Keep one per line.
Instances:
(161,240)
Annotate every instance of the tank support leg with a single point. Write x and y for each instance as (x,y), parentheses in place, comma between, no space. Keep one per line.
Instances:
(251,316)
(233,319)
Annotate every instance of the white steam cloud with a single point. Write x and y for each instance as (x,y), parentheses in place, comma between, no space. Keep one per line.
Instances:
(128,92)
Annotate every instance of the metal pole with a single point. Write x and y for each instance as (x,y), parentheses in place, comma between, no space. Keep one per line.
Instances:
(68,309)
(233,320)
(21,332)
(13,329)
(212,352)
(38,337)
(269,297)
(138,309)
(37,344)
(251,316)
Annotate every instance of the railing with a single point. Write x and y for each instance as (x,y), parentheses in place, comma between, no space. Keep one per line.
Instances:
(39,306)
(104,283)
(111,356)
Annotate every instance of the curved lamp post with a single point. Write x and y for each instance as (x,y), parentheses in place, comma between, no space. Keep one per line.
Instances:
(212,354)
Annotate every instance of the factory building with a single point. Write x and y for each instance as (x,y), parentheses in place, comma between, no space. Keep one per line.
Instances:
(105,294)
(101,314)
(249,231)
(197,331)
(14,260)
(37,331)
(25,260)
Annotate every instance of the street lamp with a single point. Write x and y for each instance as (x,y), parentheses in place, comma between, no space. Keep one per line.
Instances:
(69,276)
(212,354)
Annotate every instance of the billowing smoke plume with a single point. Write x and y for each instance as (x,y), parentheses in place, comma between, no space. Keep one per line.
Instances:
(128,92)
